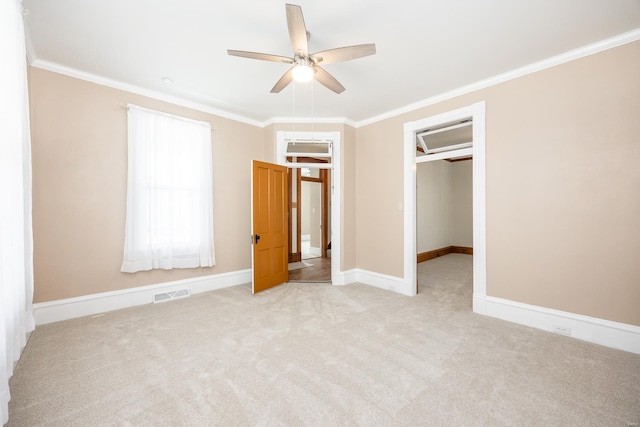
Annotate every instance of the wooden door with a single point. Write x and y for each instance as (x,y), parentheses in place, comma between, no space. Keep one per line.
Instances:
(269,225)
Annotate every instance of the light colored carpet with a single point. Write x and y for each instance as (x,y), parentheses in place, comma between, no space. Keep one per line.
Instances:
(320,355)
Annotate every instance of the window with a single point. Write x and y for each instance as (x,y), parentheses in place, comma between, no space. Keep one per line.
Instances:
(297,152)
(169,221)
(447,138)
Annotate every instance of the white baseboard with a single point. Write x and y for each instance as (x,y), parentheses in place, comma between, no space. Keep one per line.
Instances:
(382,281)
(70,308)
(598,331)
(479,303)
(345,277)
(316,252)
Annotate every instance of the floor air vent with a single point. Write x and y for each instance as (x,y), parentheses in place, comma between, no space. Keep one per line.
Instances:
(171,295)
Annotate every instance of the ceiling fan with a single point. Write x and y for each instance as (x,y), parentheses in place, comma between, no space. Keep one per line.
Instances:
(306,66)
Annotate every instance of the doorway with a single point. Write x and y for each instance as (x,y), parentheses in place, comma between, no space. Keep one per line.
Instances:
(310,256)
(444,203)
(445,226)
(311,213)
(310,158)
(476,113)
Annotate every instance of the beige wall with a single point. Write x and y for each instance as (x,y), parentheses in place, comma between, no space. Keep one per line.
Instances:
(563,217)
(79,140)
(444,205)
(462,199)
(305,220)
(379,197)
(313,212)
(563,214)
(434,205)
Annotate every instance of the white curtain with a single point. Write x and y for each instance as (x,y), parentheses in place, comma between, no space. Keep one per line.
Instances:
(169,221)
(16,242)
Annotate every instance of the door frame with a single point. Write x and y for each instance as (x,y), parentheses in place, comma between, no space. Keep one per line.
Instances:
(295,174)
(477,113)
(282,137)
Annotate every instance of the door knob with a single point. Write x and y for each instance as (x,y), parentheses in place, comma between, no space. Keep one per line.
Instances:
(257,238)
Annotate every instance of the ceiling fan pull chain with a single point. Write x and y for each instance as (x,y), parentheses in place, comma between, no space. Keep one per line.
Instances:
(313,87)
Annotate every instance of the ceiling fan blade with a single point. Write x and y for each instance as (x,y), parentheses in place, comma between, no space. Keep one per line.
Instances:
(284,81)
(297,30)
(327,80)
(344,53)
(262,56)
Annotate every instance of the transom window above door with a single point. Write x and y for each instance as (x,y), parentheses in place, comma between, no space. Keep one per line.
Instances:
(455,136)
(307,153)
(448,137)
(319,149)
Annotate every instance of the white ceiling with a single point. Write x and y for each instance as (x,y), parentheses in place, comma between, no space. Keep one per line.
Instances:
(424,47)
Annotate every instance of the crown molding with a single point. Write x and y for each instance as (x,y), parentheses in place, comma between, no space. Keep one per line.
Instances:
(93,78)
(563,58)
(593,48)
(309,120)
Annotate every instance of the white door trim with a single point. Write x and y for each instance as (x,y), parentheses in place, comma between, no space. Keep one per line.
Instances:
(477,113)
(336,186)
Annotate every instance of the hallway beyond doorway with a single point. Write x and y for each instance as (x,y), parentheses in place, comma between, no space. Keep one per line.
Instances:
(318,272)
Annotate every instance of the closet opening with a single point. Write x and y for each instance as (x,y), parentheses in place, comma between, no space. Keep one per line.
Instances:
(452,140)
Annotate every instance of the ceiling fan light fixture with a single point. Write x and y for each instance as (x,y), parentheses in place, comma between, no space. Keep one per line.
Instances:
(305,66)
(302,73)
